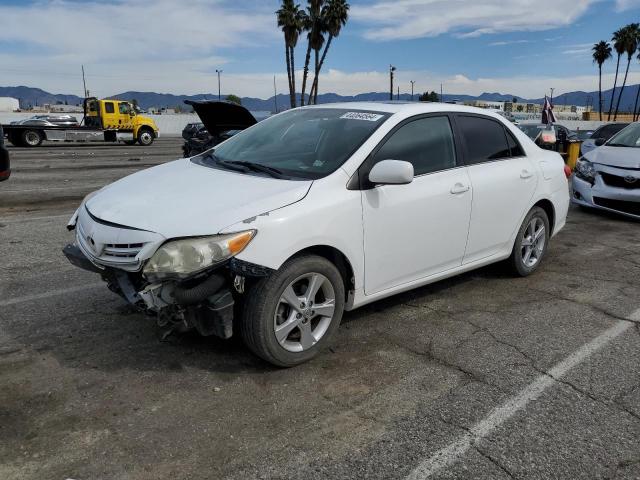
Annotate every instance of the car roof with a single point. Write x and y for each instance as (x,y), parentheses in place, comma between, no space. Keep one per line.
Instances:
(407,107)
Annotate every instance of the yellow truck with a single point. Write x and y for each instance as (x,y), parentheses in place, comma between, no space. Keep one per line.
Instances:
(104,120)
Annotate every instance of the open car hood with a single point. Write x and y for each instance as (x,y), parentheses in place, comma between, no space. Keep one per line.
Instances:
(220,116)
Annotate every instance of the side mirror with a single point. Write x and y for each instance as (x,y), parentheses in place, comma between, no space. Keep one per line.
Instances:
(599,142)
(391,172)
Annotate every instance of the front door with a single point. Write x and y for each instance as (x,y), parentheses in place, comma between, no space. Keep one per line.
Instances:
(416,230)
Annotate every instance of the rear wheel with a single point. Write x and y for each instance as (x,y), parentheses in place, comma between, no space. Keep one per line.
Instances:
(32,138)
(531,243)
(145,137)
(290,316)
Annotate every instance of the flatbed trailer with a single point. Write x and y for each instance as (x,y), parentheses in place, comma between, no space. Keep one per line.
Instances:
(103,121)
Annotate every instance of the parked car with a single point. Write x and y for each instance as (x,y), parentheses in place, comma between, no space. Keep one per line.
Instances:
(600,136)
(583,135)
(318,210)
(5,165)
(533,131)
(220,120)
(49,121)
(608,177)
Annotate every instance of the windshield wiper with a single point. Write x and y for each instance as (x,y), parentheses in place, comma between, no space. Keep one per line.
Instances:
(228,164)
(257,167)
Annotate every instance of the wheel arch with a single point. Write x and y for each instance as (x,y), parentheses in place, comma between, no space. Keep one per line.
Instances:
(550,210)
(339,259)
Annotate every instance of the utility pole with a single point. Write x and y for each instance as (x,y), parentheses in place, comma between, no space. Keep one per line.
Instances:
(391,70)
(275,94)
(398,96)
(441,97)
(86,94)
(412,84)
(551,101)
(219,72)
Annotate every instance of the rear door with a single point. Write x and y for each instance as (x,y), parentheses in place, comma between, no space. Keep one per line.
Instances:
(503,179)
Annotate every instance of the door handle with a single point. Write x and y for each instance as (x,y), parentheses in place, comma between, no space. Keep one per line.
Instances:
(459,188)
(526,174)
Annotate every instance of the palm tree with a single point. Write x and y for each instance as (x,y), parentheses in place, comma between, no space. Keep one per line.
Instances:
(335,14)
(618,45)
(313,24)
(290,21)
(630,42)
(601,53)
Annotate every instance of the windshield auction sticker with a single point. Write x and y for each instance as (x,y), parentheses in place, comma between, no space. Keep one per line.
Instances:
(369,117)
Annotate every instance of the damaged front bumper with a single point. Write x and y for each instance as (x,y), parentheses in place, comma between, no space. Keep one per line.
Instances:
(205,303)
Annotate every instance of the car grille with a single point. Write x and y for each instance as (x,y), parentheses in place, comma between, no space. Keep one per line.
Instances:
(632,208)
(621,182)
(121,255)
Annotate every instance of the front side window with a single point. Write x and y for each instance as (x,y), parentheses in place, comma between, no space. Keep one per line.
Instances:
(123,108)
(485,139)
(307,143)
(427,143)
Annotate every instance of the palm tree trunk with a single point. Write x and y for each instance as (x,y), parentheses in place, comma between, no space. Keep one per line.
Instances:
(626,73)
(600,91)
(613,92)
(286,53)
(314,87)
(305,73)
(293,78)
(312,99)
(636,113)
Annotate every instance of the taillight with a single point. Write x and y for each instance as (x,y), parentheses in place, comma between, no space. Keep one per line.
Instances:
(567,171)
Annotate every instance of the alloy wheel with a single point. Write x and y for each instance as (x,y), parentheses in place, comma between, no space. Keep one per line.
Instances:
(304,312)
(533,242)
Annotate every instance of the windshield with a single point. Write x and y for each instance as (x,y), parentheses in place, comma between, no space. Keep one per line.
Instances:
(627,137)
(304,143)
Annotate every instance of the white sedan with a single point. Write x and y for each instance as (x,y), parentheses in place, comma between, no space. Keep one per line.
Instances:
(277,231)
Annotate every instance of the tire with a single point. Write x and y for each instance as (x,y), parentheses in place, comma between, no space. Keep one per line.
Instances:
(527,253)
(145,137)
(32,138)
(278,333)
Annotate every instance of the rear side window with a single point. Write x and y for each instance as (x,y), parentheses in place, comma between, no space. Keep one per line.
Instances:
(608,131)
(108,107)
(485,139)
(514,147)
(427,143)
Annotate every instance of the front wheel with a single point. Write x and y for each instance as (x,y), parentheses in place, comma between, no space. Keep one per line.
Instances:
(145,137)
(290,316)
(531,243)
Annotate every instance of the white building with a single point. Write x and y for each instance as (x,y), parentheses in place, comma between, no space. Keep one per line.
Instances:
(8,104)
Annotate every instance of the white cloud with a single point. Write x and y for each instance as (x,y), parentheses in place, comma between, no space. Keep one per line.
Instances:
(126,44)
(405,19)
(508,42)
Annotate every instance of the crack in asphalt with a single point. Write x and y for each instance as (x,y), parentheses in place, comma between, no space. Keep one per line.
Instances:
(613,403)
(476,447)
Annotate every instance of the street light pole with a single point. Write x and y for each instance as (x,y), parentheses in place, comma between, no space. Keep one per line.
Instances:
(219,72)
(412,83)
(391,70)
(551,101)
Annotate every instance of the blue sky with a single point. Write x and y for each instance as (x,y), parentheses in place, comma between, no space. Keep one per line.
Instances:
(520,47)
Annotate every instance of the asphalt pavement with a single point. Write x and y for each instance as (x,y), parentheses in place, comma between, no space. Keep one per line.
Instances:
(479,376)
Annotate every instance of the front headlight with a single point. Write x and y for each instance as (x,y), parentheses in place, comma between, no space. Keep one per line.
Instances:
(586,171)
(182,258)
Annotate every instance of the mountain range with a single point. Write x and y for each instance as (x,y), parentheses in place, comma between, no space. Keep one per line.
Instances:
(29,96)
